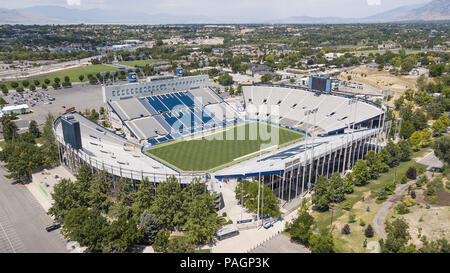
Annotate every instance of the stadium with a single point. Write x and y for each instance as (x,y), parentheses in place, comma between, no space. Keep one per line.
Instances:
(283,136)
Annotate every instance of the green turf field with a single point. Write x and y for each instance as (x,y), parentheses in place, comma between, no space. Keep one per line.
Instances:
(72,73)
(209,152)
(139,62)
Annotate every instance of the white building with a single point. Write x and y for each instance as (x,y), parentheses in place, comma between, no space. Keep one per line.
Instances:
(17,109)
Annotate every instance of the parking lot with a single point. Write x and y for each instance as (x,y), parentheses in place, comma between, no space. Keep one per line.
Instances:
(81,96)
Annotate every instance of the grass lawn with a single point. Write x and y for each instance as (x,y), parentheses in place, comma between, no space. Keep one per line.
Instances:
(354,241)
(215,150)
(72,73)
(139,62)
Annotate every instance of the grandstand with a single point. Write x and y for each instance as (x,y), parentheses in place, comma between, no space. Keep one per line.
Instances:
(331,114)
(170,126)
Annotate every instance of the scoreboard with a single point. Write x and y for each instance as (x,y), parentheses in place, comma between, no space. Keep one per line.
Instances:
(319,84)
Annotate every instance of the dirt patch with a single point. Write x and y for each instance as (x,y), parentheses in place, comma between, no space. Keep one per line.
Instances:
(432,223)
(381,79)
(442,198)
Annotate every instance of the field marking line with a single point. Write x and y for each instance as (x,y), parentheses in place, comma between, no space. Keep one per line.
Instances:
(7,238)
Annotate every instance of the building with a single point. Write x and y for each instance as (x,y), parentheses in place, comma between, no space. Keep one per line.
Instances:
(17,109)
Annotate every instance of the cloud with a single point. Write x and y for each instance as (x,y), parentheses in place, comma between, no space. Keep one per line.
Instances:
(73,2)
(374,2)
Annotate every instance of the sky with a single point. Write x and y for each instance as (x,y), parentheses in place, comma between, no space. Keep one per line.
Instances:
(268,9)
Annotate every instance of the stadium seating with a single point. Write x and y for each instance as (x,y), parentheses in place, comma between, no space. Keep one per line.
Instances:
(332,112)
(168,116)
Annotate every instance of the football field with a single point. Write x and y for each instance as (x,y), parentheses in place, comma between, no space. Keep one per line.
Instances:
(223,147)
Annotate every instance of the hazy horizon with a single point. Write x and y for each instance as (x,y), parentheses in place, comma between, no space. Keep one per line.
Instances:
(232,8)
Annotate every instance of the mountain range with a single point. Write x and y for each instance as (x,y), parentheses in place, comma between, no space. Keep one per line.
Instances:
(431,11)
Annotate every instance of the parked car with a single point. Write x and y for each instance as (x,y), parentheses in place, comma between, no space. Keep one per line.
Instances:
(53,226)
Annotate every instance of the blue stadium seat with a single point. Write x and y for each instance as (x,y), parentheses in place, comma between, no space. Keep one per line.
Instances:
(185,99)
(155,103)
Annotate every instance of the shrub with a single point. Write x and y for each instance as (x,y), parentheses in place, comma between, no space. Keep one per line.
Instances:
(411,173)
(402,209)
(368,231)
(403,180)
(44,87)
(422,181)
(409,201)
(32,87)
(346,229)
(361,222)
(347,205)
(14,85)
(20,89)
(413,194)
(351,217)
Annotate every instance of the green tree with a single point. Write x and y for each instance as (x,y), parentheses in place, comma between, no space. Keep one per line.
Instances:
(161,242)
(86,227)
(407,129)
(49,147)
(65,197)
(361,173)
(397,236)
(144,197)
(33,129)
(121,235)
(320,197)
(150,227)
(167,204)
(441,148)
(266,78)
(321,243)
(415,140)
(301,228)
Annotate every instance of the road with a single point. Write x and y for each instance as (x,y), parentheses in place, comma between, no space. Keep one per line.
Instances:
(23,221)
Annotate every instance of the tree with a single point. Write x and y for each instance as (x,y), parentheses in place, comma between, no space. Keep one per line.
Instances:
(374,164)
(405,150)
(144,197)
(86,227)
(161,242)
(321,243)
(440,125)
(441,147)
(167,204)
(301,228)
(33,129)
(397,236)
(368,232)
(25,83)
(81,77)
(22,157)
(250,197)
(121,235)
(346,229)
(361,173)
(10,129)
(99,191)
(266,78)
(202,221)
(320,197)
(415,140)
(65,197)
(426,137)
(180,244)
(149,226)
(407,129)
(49,147)
(225,79)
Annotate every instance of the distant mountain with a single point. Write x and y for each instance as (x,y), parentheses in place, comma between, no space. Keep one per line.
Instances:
(434,10)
